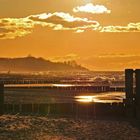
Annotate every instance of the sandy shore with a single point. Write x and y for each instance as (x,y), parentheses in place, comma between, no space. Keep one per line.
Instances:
(15,127)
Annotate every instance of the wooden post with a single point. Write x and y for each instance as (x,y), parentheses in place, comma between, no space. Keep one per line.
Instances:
(137,72)
(1,99)
(129,79)
(129,83)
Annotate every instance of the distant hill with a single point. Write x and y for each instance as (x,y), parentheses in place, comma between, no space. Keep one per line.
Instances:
(33,64)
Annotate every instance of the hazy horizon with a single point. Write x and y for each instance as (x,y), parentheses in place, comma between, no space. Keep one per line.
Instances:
(100,35)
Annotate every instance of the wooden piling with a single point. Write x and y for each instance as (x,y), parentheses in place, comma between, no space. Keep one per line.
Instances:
(1,99)
(137,74)
(129,89)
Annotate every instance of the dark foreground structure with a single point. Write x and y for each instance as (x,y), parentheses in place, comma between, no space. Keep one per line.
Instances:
(132,85)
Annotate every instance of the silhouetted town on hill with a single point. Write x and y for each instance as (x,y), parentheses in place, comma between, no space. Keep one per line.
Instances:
(33,64)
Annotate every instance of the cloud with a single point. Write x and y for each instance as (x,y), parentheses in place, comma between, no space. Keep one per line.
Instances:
(131,27)
(64,21)
(11,28)
(93,9)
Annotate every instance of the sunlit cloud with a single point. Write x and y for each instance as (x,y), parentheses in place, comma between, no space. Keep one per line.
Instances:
(79,31)
(11,28)
(94,9)
(131,27)
(64,21)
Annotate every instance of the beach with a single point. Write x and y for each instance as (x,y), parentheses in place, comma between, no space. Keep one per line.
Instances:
(17,127)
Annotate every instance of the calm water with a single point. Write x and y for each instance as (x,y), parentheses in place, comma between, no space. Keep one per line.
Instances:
(108,97)
(26,94)
(42,96)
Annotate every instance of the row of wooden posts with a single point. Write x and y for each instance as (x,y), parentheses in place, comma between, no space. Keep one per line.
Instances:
(130,107)
(66,109)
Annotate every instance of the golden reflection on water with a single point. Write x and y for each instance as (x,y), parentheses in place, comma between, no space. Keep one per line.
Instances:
(110,97)
(62,85)
(85,98)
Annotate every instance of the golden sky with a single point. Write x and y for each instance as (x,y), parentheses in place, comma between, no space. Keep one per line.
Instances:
(99,34)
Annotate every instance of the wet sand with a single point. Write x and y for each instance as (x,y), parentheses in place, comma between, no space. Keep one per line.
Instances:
(16,127)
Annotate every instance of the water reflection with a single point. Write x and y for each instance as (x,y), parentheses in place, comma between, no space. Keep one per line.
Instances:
(109,97)
(62,85)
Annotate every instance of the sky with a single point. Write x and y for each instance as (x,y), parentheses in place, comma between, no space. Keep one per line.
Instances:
(98,34)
